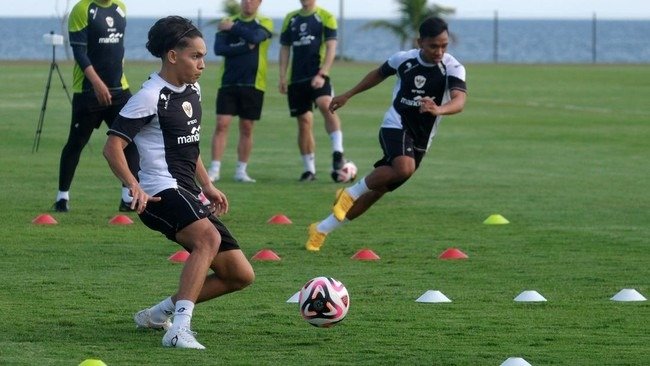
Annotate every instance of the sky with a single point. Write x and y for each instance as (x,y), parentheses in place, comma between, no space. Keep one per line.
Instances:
(563,9)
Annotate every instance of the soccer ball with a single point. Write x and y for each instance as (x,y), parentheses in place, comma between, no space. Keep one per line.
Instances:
(323,301)
(346,174)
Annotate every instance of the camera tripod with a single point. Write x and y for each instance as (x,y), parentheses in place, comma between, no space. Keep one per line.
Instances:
(39,128)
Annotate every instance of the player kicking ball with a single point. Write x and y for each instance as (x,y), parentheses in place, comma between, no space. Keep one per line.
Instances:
(430,84)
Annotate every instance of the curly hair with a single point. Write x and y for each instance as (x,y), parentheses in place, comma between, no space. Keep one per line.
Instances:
(169,33)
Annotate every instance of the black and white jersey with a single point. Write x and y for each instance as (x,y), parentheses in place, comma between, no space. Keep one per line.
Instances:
(164,121)
(417,79)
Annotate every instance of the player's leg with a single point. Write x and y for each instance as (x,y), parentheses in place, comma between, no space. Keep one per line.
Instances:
(82,124)
(300,106)
(219,141)
(333,128)
(251,102)
(226,107)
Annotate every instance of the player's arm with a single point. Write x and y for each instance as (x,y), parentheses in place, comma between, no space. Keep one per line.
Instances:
(285,51)
(330,53)
(218,200)
(78,35)
(453,106)
(114,154)
(372,79)
(251,36)
(223,48)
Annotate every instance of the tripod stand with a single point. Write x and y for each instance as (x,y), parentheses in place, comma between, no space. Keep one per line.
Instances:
(53,66)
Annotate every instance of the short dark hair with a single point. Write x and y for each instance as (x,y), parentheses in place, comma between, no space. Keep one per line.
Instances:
(433,27)
(169,33)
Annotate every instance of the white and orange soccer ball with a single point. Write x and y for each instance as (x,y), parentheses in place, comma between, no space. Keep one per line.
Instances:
(323,301)
(346,174)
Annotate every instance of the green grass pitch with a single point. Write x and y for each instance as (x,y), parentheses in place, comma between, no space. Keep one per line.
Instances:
(561,151)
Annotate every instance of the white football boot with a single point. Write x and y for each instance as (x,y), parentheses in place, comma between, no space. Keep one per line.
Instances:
(243,178)
(143,320)
(181,338)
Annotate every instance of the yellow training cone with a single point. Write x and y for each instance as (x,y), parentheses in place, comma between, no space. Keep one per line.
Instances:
(496,219)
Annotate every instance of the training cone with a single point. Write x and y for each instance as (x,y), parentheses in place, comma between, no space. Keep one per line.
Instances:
(453,253)
(433,296)
(496,219)
(515,361)
(44,219)
(530,296)
(179,257)
(266,255)
(92,362)
(365,255)
(294,299)
(121,220)
(279,219)
(628,294)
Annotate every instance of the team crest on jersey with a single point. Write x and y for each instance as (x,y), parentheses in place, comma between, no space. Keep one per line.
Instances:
(110,22)
(419,81)
(187,108)
(303,27)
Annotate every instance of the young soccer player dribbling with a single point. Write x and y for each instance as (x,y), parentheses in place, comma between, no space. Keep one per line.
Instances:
(431,83)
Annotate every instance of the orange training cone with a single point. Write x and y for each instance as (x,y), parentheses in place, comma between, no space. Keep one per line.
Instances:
(121,220)
(179,257)
(279,219)
(453,253)
(44,219)
(266,255)
(365,255)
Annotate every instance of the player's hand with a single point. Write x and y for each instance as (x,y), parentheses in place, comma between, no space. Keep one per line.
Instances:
(338,102)
(225,25)
(103,94)
(282,87)
(317,81)
(427,105)
(218,201)
(140,199)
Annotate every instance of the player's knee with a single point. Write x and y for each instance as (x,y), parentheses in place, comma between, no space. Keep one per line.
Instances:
(243,278)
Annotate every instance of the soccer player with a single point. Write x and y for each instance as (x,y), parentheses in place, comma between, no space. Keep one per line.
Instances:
(430,84)
(309,37)
(243,40)
(96,31)
(164,121)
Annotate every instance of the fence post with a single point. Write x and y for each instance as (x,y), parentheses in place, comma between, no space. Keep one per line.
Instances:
(495,45)
(594,39)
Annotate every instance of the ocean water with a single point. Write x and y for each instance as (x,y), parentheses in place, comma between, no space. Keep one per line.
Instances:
(519,41)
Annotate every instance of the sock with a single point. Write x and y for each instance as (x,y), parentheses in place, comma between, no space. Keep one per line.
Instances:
(126,195)
(337,140)
(358,189)
(65,195)
(183,314)
(215,165)
(241,167)
(309,161)
(330,224)
(162,311)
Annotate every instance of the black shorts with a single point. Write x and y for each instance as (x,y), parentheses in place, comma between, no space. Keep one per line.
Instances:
(177,209)
(87,114)
(243,101)
(301,96)
(397,142)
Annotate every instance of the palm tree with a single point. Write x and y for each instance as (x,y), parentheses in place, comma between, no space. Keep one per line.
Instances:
(412,13)
(229,8)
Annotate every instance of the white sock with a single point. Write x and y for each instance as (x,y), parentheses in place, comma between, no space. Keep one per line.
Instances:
(241,167)
(330,224)
(337,140)
(126,195)
(162,311)
(183,314)
(215,165)
(358,189)
(309,161)
(63,195)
